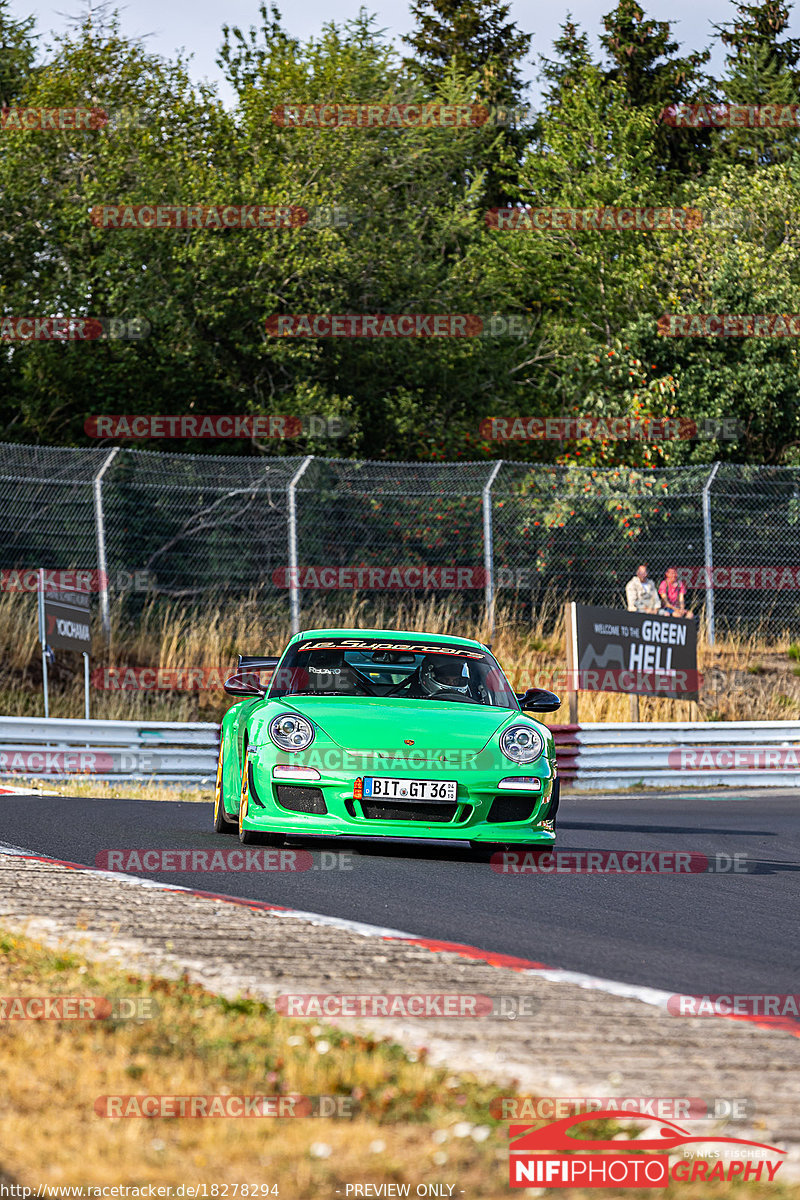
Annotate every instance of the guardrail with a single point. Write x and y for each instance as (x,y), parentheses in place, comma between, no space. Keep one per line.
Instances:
(600,756)
(609,755)
(166,751)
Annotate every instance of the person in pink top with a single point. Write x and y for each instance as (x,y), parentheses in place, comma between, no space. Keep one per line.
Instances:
(673,594)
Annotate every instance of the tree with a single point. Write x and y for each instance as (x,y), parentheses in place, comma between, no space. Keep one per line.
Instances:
(478,37)
(761,69)
(566,73)
(17,52)
(755,269)
(475,39)
(644,63)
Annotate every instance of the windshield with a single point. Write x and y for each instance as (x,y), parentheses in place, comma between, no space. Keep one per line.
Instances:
(409,671)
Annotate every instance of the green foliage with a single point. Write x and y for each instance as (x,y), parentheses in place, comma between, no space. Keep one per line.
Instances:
(477,37)
(415,237)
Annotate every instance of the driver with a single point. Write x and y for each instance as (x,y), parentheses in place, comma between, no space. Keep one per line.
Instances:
(440,673)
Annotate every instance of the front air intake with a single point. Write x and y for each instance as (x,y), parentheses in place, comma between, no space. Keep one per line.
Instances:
(301,799)
(511,808)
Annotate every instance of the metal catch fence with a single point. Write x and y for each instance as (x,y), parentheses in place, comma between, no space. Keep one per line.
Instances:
(193,527)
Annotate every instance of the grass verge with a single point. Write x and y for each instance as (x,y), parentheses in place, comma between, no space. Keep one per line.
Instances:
(414,1123)
(171,636)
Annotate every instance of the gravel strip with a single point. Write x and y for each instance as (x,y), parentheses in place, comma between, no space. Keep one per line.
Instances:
(569,1041)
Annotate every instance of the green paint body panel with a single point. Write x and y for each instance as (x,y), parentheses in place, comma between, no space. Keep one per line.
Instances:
(359,736)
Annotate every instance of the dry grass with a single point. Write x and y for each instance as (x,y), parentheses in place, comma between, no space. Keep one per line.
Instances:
(412,1124)
(743,675)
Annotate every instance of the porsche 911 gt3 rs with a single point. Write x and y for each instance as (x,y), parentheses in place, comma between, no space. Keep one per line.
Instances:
(378,733)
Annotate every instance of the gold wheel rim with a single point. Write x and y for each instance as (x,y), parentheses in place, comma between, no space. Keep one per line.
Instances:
(243,793)
(218,788)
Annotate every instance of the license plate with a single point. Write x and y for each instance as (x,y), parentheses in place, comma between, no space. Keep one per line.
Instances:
(378,787)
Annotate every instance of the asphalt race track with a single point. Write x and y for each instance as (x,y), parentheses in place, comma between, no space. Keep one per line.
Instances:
(697,933)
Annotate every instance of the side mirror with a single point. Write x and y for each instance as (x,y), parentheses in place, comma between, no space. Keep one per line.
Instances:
(539,700)
(243,684)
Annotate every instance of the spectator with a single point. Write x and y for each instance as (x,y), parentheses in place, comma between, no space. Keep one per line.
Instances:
(673,595)
(641,593)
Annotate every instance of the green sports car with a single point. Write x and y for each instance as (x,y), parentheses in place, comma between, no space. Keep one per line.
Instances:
(375,733)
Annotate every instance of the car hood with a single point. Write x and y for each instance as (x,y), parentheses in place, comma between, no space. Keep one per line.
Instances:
(377,723)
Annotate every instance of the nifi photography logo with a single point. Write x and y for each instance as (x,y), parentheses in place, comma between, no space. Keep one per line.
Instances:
(557,1155)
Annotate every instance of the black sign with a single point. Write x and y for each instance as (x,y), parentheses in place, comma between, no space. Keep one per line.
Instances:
(610,650)
(66,621)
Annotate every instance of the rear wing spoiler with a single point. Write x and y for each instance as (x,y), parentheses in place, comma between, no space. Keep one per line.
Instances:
(255,663)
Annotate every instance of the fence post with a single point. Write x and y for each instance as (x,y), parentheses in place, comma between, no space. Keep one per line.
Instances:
(488,547)
(294,590)
(709,555)
(100,533)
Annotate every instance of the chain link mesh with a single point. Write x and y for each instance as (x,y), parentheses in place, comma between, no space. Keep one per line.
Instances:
(197,526)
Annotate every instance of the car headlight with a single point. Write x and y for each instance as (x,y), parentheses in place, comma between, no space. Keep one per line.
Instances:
(521,743)
(290,731)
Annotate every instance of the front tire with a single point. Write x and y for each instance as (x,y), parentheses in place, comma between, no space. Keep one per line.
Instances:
(221,822)
(249,837)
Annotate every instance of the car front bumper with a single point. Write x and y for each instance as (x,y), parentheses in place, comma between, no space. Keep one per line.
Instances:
(482,811)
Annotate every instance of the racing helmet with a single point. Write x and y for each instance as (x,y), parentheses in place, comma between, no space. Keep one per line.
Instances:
(440,673)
